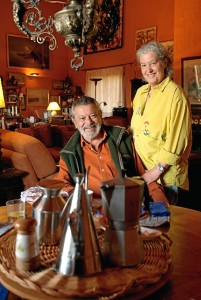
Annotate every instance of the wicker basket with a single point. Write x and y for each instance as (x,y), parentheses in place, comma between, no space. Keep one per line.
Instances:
(109,284)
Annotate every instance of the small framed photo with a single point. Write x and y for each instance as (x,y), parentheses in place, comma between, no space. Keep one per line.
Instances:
(55,98)
(58,85)
(191,78)
(17,78)
(12,98)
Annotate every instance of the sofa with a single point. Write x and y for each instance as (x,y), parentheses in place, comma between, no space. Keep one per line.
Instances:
(28,154)
(54,137)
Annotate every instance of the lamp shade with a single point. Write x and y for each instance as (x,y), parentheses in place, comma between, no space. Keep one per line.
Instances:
(53,106)
(2,102)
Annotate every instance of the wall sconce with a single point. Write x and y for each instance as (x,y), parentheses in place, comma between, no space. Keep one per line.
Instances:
(76,22)
(33,75)
(53,107)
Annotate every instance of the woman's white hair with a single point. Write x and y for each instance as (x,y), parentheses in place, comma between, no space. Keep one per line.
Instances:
(161,52)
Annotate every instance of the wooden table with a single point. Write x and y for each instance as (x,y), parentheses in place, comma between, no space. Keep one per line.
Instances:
(185,233)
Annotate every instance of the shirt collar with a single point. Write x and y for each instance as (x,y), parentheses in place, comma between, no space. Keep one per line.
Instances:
(160,87)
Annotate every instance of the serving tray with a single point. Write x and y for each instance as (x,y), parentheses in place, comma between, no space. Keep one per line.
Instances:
(112,283)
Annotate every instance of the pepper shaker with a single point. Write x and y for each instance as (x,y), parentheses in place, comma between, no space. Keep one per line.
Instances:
(27,246)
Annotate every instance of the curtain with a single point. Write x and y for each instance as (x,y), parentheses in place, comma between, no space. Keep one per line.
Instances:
(109,89)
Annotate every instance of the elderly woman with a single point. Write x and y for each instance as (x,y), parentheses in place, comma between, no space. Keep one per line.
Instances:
(161,123)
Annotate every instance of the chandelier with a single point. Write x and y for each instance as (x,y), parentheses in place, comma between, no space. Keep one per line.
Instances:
(76,22)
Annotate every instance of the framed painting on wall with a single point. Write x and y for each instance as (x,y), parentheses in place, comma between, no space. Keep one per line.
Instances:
(58,84)
(37,97)
(143,36)
(110,28)
(23,52)
(55,98)
(191,78)
(19,78)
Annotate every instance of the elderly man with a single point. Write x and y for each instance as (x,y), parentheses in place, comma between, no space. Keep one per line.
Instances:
(107,150)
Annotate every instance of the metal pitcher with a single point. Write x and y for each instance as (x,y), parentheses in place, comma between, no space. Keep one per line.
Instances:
(122,199)
(79,252)
(50,211)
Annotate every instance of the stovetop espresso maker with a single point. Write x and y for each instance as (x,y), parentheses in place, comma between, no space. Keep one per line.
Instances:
(122,200)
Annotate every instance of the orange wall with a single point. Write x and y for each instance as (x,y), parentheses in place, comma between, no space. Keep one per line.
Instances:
(138,14)
(187,32)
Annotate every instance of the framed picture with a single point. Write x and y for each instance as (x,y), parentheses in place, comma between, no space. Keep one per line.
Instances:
(191,78)
(55,98)
(23,101)
(169,45)
(23,52)
(58,85)
(37,97)
(18,78)
(143,36)
(108,37)
(12,98)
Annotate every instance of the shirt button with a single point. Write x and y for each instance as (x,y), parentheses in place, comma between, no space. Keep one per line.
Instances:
(102,170)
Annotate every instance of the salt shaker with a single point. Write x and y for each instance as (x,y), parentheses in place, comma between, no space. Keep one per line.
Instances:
(27,246)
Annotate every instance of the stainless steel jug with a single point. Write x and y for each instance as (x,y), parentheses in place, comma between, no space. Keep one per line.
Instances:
(122,199)
(50,212)
(79,252)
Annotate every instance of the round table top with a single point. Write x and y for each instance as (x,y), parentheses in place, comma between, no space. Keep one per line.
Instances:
(185,233)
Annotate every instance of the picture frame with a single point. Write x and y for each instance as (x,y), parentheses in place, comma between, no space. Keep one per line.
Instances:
(12,98)
(55,98)
(107,37)
(143,36)
(58,85)
(25,53)
(37,97)
(19,78)
(191,78)
(169,46)
(23,101)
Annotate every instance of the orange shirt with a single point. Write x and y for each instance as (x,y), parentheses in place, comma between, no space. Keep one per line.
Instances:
(101,166)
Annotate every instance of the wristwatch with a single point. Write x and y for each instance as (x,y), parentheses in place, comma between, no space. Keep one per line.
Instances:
(161,168)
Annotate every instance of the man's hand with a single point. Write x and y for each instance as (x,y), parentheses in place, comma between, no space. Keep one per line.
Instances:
(151,175)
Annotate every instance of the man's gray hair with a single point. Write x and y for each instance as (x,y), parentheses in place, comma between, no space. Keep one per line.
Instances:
(85,100)
(161,52)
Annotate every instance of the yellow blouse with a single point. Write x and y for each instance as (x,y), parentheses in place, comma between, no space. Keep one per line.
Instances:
(162,131)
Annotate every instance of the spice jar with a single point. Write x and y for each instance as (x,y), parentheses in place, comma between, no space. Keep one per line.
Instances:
(27,246)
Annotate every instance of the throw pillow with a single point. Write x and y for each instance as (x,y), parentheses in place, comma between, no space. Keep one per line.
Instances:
(29,131)
(44,134)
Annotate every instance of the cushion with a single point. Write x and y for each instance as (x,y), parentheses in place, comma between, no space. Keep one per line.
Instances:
(66,133)
(29,131)
(61,134)
(54,151)
(44,134)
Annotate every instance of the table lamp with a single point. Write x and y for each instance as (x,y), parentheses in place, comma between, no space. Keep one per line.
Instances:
(2,104)
(53,107)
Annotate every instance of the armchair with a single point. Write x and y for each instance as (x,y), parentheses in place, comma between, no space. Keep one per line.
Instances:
(28,154)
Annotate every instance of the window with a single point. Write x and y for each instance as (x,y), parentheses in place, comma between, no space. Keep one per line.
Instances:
(109,89)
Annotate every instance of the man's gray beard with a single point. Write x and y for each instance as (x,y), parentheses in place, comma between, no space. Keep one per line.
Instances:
(91,135)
